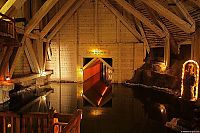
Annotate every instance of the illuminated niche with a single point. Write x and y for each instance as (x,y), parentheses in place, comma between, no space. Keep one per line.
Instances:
(190,80)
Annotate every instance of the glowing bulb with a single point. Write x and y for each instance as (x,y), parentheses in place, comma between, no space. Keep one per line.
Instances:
(7,78)
(9,125)
(44,98)
(43,73)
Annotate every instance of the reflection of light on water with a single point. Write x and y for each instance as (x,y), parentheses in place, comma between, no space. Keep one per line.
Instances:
(96,112)
(162,109)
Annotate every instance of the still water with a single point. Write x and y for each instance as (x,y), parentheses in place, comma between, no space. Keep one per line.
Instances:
(128,111)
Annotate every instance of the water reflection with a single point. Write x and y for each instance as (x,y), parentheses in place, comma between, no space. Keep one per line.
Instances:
(130,110)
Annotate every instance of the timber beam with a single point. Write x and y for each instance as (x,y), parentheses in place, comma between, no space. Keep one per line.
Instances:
(39,15)
(65,19)
(183,25)
(56,17)
(141,17)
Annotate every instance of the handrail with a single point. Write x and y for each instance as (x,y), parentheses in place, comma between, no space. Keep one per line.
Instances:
(38,122)
(4,16)
(7,30)
(74,123)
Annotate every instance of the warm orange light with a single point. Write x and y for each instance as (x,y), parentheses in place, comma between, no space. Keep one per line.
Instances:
(162,108)
(97,52)
(99,101)
(196,77)
(96,112)
(106,88)
(9,125)
(163,66)
(7,78)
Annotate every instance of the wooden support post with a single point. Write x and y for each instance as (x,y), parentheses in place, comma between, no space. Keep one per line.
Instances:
(46,52)
(17,56)
(4,68)
(195,48)
(167,51)
(31,56)
(3,52)
(40,54)
(146,44)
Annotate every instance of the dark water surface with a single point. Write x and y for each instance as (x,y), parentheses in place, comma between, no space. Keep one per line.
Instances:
(129,110)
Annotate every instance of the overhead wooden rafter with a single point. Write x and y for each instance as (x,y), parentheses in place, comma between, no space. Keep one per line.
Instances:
(39,15)
(197,2)
(146,45)
(185,26)
(7,6)
(65,19)
(31,35)
(184,11)
(56,17)
(141,17)
(124,21)
(11,5)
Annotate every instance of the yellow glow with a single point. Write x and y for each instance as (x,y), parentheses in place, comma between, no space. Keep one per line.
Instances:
(97,52)
(9,125)
(7,78)
(163,66)
(43,73)
(44,98)
(197,78)
(81,70)
(96,112)
(162,108)
(99,100)
(106,88)
(7,6)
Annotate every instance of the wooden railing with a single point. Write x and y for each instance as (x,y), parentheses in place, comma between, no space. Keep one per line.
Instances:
(40,123)
(9,122)
(72,126)
(35,123)
(7,26)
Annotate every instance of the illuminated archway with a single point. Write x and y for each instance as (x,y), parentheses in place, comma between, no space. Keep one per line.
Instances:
(195,74)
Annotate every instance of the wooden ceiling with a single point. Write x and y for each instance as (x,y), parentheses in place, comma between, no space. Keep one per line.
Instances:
(158,18)
(153,22)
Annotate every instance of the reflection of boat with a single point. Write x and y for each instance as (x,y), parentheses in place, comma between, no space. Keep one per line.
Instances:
(99,94)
